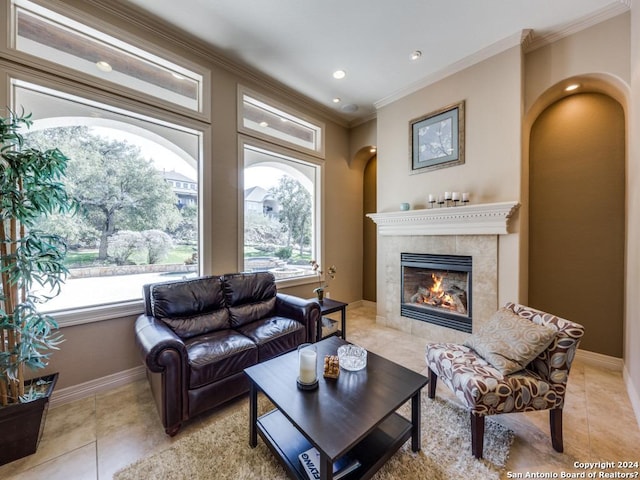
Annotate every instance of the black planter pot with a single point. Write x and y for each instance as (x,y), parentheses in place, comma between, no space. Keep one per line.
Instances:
(21,424)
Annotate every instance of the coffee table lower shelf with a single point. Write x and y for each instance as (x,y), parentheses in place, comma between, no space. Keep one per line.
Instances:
(286,443)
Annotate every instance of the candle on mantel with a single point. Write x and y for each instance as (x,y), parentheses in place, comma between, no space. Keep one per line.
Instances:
(447,195)
(455,196)
(432,198)
(465,196)
(308,359)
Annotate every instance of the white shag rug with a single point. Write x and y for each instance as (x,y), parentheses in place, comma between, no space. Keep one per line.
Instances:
(221,451)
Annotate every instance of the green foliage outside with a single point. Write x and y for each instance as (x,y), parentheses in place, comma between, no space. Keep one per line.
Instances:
(87,258)
(128,211)
(287,234)
(295,211)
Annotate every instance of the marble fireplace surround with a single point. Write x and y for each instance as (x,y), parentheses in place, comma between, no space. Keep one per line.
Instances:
(472,230)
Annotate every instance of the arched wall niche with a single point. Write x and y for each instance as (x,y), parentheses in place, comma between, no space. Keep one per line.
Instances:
(594,82)
(604,83)
(574,181)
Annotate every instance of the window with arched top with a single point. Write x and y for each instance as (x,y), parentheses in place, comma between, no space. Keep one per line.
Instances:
(135,226)
(281,157)
(281,212)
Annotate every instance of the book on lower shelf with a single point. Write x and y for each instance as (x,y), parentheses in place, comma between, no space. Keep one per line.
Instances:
(310,460)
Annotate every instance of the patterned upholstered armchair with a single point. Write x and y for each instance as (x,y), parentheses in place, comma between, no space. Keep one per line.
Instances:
(539,384)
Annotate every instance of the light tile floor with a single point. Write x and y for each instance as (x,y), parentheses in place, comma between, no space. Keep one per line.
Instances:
(94,437)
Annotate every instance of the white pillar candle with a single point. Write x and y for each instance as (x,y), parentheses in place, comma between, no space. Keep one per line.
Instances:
(455,196)
(308,358)
(432,198)
(447,195)
(465,196)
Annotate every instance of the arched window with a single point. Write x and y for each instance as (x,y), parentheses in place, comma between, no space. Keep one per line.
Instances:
(134,226)
(282,165)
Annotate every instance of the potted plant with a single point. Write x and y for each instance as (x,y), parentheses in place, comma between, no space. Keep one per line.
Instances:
(31,271)
(322,286)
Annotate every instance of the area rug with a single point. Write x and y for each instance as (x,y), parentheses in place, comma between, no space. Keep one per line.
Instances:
(221,451)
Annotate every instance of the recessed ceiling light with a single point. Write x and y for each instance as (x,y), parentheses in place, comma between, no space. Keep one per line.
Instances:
(336,100)
(103,66)
(264,124)
(572,87)
(415,55)
(339,74)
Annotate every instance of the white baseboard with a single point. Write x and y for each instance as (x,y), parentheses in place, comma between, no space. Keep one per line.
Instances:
(634,396)
(99,385)
(599,360)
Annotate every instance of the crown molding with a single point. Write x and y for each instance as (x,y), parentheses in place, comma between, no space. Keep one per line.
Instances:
(145,21)
(614,9)
(477,57)
(527,38)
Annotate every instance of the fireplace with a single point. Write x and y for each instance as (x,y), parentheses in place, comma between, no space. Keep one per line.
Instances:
(437,289)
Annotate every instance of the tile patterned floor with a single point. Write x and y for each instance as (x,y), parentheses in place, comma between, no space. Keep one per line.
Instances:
(94,437)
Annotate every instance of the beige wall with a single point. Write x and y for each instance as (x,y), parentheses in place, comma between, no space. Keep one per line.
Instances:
(632,321)
(603,48)
(491,173)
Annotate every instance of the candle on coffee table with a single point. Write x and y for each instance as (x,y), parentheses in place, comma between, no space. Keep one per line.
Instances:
(308,360)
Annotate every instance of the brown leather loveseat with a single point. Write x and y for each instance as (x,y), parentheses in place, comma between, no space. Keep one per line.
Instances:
(197,336)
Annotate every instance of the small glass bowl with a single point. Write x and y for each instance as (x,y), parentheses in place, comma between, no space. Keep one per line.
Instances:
(352,357)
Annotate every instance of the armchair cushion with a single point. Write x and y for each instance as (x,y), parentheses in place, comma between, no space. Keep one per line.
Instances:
(482,388)
(510,342)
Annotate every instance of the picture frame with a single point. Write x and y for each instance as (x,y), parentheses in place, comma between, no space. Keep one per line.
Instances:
(437,139)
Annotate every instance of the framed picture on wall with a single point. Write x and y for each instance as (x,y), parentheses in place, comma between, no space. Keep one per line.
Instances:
(437,139)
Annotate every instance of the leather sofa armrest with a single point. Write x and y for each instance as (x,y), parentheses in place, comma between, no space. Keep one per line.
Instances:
(304,311)
(153,338)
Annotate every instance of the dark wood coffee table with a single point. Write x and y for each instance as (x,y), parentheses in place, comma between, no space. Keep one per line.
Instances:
(353,414)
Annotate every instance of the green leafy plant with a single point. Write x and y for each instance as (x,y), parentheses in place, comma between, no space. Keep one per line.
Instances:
(31,261)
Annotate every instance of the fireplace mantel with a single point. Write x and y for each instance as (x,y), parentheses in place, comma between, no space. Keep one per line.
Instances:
(481,219)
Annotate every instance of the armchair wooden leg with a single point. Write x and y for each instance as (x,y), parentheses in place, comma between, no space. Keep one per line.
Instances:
(477,435)
(433,381)
(555,421)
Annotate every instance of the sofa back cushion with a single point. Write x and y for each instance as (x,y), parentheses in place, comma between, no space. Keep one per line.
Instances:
(249,296)
(191,307)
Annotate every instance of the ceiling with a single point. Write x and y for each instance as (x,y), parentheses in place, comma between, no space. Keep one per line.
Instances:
(300,43)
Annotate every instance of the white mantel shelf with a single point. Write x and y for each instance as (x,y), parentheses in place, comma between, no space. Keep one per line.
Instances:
(482,219)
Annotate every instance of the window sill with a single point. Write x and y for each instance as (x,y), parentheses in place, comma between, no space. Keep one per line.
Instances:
(81,316)
(296,281)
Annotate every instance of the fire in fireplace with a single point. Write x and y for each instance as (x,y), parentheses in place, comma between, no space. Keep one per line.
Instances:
(437,289)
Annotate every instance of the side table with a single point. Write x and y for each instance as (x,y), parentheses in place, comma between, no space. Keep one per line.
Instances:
(327,306)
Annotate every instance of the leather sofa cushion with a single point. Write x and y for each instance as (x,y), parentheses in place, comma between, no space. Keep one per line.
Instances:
(249,297)
(216,355)
(192,307)
(274,336)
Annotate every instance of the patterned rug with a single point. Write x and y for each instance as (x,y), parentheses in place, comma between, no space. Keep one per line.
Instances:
(221,451)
